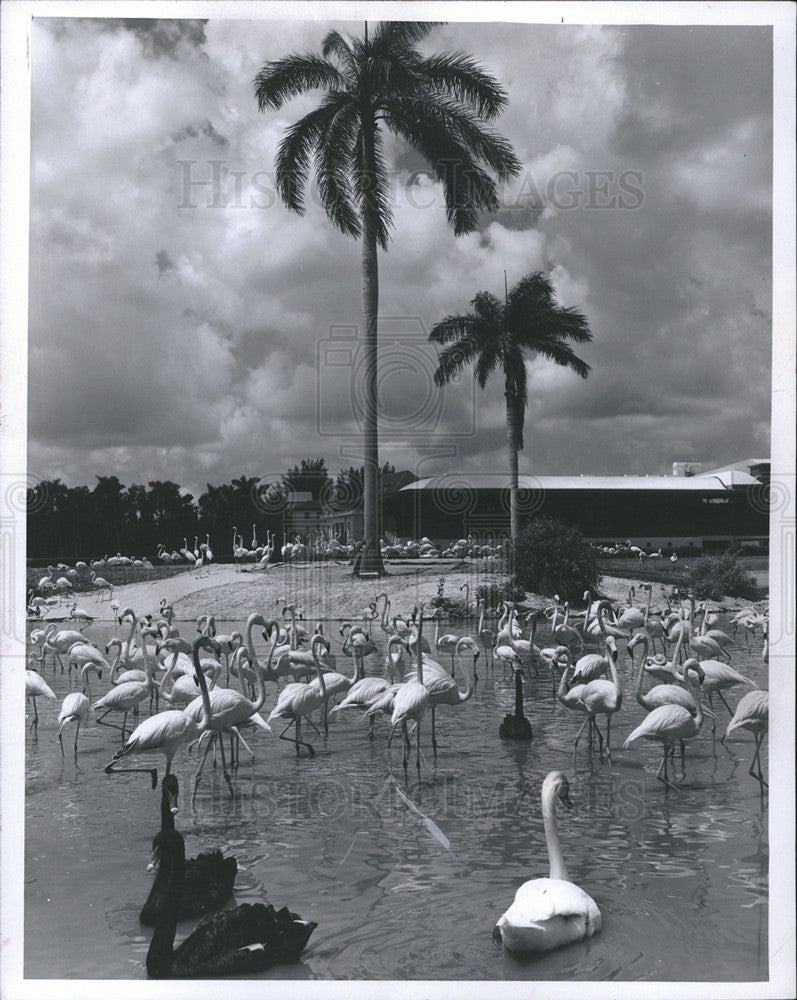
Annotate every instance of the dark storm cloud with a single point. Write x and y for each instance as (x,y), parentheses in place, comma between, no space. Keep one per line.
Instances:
(207,363)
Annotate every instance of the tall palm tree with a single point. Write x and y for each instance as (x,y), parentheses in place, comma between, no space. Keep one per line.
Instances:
(497,336)
(440,106)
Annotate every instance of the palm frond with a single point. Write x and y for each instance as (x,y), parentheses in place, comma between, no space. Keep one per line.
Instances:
(461,126)
(452,328)
(293,155)
(453,359)
(393,35)
(333,165)
(489,360)
(457,75)
(335,44)
(488,308)
(563,354)
(372,186)
(284,78)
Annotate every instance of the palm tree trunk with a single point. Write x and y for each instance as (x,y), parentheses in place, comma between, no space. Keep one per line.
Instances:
(512,450)
(370,560)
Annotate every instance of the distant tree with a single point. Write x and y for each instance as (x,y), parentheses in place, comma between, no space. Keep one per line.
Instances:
(310,476)
(347,493)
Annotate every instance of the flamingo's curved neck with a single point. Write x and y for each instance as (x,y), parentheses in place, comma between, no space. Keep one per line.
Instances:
(558,870)
(316,642)
(463,695)
(207,712)
(645,647)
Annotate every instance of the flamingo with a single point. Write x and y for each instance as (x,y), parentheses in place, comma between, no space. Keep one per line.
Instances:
(230,708)
(394,660)
(752,713)
(566,635)
(444,643)
(298,700)
(47,582)
(126,698)
(603,697)
(59,642)
(411,700)
(718,677)
(591,666)
(36,687)
(184,688)
(78,614)
(549,912)
(100,584)
(363,693)
(336,683)
(167,731)
(443,690)
(570,697)
(486,635)
(75,707)
(669,723)
(662,694)
(631,617)
(81,653)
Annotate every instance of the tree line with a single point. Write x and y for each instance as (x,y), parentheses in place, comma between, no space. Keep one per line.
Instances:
(78,522)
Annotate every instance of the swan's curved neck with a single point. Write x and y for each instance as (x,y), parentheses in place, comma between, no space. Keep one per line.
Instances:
(558,869)
(160,955)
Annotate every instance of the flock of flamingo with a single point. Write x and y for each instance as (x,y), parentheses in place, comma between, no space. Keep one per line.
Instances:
(214,686)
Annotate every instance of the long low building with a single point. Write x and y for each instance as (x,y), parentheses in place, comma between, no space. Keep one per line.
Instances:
(725,506)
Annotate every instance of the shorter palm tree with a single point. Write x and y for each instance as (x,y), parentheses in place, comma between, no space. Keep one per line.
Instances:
(498,335)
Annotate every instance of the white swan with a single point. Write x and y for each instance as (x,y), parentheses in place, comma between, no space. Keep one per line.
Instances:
(549,912)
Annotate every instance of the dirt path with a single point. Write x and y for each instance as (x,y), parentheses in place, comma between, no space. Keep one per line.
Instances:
(323,591)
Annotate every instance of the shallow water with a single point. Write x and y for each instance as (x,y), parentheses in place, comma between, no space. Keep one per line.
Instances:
(679,876)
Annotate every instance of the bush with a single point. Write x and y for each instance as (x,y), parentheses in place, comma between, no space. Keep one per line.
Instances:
(494,594)
(555,558)
(715,577)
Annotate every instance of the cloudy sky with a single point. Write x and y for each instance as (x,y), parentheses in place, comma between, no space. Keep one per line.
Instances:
(185,325)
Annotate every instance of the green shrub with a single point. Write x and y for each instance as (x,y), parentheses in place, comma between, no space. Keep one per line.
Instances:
(714,577)
(555,558)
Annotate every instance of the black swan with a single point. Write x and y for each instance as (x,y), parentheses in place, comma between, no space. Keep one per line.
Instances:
(517,726)
(252,938)
(208,879)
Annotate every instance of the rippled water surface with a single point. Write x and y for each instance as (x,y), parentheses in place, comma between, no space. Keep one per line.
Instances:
(679,876)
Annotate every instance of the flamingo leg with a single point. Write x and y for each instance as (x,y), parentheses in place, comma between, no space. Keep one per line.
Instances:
(404,743)
(759,738)
(666,780)
(578,736)
(418,745)
(198,774)
(62,742)
(152,771)
(249,749)
(609,738)
(77,733)
(224,765)
(110,725)
(730,710)
(434,739)
(392,731)
(371,726)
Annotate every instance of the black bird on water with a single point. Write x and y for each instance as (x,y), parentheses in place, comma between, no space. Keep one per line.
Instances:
(251,938)
(516,726)
(208,879)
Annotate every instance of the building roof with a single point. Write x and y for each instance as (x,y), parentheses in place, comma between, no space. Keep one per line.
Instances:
(493,481)
(745,465)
